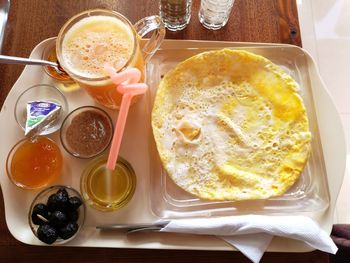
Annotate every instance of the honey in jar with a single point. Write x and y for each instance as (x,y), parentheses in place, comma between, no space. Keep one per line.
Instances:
(34,163)
(107,190)
(62,80)
(56,73)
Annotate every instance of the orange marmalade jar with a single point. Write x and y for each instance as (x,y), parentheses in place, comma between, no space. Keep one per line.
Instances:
(34,163)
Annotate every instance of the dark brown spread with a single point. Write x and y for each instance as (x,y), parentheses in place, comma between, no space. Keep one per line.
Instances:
(89,133)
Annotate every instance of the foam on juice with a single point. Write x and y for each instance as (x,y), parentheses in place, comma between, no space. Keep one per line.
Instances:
(94,41)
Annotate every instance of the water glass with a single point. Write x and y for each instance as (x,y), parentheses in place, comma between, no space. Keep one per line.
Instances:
(175,14)
(214,14)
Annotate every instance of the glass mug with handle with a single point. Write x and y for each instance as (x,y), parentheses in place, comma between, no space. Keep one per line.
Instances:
(95,38)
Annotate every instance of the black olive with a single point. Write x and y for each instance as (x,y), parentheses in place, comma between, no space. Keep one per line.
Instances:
(58,201)
(69,230)
(73,216)
(58,219)
(47,234)
(74,203)
(40,209)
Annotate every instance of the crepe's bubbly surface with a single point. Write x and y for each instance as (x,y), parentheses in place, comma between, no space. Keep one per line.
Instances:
(230,125)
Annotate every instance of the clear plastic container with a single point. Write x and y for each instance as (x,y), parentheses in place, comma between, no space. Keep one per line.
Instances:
(309,194)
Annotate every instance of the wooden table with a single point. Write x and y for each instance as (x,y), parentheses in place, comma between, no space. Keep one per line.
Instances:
(31,21)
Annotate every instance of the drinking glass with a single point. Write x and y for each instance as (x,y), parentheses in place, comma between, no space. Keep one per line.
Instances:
(175,14)
(214,14)
(101,88)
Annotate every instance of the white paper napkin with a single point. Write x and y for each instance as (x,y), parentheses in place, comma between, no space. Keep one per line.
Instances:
(252,234)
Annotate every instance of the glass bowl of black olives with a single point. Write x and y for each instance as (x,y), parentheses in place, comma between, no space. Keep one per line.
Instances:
(57,214)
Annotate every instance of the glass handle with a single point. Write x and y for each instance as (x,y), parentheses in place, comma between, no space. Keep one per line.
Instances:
(146,25)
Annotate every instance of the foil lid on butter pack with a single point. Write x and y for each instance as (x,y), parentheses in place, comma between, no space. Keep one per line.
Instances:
(40,114)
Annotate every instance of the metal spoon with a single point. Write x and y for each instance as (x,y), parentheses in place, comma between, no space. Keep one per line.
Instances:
(27,61)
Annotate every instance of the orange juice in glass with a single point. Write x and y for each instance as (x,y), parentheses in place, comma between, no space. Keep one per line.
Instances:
(95,38)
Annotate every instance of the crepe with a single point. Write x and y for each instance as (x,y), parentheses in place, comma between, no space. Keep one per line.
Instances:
(230,125)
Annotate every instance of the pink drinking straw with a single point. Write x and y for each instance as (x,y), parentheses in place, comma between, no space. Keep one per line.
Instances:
(127,84)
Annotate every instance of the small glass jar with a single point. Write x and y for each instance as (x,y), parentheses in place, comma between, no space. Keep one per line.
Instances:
(33,164)
(107,190)
(41,92)
(61,79)
(86,132)
(42,198)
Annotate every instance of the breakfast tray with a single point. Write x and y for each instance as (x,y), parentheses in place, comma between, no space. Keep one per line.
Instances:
(149,204)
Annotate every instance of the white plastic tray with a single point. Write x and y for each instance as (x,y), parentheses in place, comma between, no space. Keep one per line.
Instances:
(135,148)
